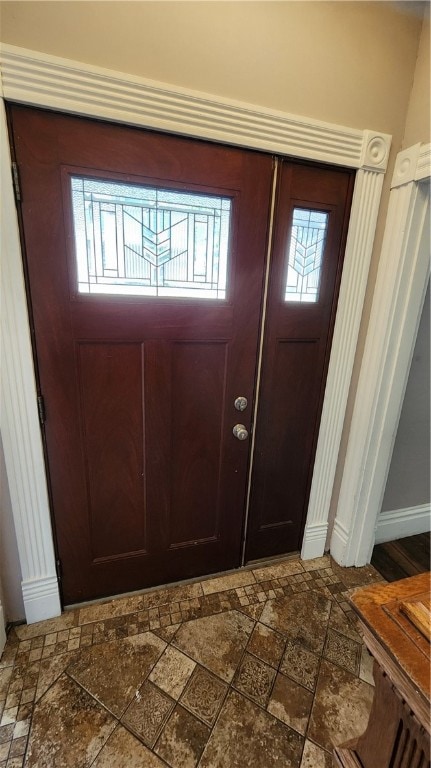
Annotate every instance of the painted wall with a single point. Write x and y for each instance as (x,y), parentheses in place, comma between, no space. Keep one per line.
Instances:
(419,109)
(345,62)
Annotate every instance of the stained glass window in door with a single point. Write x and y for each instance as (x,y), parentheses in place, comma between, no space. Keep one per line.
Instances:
(305,252)
(138,240)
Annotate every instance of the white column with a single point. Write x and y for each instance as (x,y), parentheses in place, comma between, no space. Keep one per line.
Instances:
(397,305)
(19,420)
(362,226)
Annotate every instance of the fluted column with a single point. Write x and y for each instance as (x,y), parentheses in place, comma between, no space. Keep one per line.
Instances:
(363,219)
(397,305)
(19,422)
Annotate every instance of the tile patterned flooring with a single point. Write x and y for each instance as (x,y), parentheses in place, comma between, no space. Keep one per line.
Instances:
(260,668)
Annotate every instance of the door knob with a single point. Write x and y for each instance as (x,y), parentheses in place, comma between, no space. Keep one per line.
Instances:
(240,432)
(241,403)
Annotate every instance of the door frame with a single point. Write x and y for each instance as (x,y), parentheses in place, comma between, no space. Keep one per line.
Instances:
(399,294)
(37,79)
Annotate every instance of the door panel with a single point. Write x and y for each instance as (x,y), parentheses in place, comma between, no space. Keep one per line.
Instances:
(294,366)
(195,462)
(297,339)
(112,416)
(147,481)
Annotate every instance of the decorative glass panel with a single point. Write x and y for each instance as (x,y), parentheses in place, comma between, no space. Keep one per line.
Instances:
(307,243)
(147,241)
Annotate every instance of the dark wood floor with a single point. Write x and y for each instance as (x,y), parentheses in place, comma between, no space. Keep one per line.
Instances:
(405,557)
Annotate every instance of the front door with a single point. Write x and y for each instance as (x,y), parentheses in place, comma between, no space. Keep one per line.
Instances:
(146,256)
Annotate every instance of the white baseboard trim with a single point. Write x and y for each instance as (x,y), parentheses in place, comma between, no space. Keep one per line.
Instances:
(41,599)
(398,523)
(339,541)
(313,543)
(2,629)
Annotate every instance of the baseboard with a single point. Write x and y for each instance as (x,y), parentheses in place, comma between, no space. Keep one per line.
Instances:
(2,629)
(313,543)
(340,544)
(399,523)
(41,599)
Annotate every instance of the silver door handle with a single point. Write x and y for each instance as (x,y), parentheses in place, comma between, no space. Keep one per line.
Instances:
(240,432)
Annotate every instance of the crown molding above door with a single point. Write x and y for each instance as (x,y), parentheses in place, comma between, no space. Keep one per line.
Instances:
(41,80)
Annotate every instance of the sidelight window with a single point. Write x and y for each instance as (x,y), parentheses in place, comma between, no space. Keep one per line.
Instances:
(140,240)
(307,243)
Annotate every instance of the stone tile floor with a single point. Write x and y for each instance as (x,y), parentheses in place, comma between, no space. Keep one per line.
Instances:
(260,668)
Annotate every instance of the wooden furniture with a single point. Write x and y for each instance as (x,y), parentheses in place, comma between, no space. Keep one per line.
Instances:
(394,623)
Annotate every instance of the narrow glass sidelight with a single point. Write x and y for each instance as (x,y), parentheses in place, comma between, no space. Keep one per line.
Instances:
(139,240)
(306,247)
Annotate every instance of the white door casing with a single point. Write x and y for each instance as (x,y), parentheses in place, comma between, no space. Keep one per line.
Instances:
(19,417)
(399,295)
(40,80)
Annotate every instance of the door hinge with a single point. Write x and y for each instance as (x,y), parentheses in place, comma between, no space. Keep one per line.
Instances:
(58,569)
(16,182)
(41,409)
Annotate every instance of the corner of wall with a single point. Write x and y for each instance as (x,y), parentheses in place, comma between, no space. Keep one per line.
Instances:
(417,126)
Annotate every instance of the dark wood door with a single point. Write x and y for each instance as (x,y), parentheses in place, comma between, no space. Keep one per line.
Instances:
(147,480)
(145,256)
(310,226)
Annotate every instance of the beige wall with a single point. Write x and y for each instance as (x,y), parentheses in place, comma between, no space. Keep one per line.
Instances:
(419,109)
(343,62)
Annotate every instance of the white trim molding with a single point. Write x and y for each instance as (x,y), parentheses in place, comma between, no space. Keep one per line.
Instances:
(397,305)
(19,420)
(41,80)
(349,311)
(36,78)
(40,596)
(398,523)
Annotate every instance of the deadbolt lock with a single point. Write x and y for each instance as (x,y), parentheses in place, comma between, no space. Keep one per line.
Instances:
(241,403)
